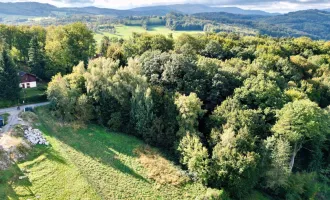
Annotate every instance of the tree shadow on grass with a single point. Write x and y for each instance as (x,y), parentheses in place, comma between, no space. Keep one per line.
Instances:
(97,144)
(12,176)
(55,156)
(46,151)
(15,176)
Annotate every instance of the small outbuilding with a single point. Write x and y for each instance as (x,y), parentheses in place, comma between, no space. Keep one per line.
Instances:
(27,80)
(2,121)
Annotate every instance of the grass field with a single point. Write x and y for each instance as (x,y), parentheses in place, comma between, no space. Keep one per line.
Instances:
(86,163)
(126,31)
(29,96)
(34,95)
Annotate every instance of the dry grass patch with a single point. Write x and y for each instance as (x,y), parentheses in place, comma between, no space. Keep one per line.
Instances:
(160,169)
(7,141)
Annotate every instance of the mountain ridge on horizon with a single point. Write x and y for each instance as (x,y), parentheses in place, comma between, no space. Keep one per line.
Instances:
(46,9)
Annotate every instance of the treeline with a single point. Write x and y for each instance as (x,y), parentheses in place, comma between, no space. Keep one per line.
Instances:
(179,22)
(241,113)
(41,51)
(144,21)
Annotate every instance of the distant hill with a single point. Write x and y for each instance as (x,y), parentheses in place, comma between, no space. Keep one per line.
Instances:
(27,9)
(197,8)
(39,9)
(311,23)
(315,23)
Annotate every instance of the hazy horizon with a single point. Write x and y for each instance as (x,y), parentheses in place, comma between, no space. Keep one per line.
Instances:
(268,5)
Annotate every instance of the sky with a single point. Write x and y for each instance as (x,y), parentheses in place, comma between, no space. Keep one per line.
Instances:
(281,6)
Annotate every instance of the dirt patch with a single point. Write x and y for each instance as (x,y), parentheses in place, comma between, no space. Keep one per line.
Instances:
(12,149)
(160,169)
(7,141)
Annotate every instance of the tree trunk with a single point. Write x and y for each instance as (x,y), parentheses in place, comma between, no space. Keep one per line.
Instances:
(294,153)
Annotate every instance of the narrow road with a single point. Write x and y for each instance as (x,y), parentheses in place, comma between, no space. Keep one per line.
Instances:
(13,118)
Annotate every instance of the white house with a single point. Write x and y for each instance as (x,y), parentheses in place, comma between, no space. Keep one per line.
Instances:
(27,80)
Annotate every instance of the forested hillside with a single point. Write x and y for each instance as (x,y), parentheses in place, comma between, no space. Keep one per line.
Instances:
(311,23)
(39,9)
(199,8)
(240,113)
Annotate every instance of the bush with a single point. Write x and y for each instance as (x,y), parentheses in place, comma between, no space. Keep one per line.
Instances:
(214,194)
(22,150)
(18,131)
(29,117)
(324,183)
(302,186)
(115,122)
(6,103)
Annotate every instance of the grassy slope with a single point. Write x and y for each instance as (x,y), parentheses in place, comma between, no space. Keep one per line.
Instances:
(87,163)
(126,31)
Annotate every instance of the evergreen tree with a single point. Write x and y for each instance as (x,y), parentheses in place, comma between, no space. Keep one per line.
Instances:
(37,58)
(9,81)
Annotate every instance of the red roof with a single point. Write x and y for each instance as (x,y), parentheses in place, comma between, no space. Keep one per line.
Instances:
(27,77)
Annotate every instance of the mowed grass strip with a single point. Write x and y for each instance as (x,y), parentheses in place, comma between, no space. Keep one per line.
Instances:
(90,163)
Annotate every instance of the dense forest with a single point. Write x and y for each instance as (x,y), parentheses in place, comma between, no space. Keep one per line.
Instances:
(240,113)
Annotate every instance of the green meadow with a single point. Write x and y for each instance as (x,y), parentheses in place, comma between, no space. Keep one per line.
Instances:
(125,32)
(86,163)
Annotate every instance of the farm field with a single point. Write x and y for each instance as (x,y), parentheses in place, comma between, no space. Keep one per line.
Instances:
(87,163)
(126,31)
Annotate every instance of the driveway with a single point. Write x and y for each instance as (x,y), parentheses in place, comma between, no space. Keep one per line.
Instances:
(13,118)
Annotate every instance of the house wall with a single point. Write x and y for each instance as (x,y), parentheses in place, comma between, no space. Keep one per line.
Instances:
(32,84)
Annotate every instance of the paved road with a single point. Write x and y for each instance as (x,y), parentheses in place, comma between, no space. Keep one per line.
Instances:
(13,118)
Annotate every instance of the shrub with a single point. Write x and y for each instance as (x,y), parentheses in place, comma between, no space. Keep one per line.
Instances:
(115,122)
(18,131)
(22,150)
(214,194)
(302,186)
(29,117)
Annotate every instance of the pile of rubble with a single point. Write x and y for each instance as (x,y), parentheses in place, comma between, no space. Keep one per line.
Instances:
(35,136)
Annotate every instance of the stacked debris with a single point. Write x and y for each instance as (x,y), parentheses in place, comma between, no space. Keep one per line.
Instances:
(35,136)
